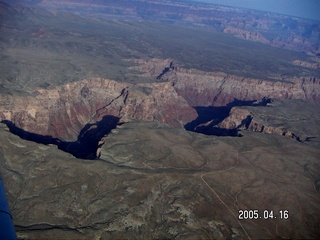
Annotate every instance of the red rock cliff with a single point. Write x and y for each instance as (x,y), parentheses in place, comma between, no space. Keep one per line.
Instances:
(218,89)
(63,111)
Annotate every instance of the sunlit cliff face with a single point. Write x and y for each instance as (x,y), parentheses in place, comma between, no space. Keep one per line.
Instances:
(63,111)
(158,119)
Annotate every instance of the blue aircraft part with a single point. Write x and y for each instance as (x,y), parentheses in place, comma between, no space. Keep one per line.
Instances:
(7,231)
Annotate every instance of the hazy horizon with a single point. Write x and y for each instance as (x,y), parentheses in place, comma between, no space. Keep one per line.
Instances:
(309,9)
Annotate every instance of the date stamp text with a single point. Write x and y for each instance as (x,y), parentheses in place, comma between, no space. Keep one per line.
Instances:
(265,214)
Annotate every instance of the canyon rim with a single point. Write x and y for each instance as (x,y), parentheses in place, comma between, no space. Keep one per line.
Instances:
(159,119)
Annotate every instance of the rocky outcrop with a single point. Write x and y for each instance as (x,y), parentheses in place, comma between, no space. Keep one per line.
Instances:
(292,41)
(268,28)
(63,111)
(218,89)
(245,119)
(295,119)
(161,182)
(315,65)
(247,35)
(200,88)
(296,42)
(152,67)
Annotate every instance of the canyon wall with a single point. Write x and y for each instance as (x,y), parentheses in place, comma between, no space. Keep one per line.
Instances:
(247,120)
(63,111)
(269,28)
(218,89)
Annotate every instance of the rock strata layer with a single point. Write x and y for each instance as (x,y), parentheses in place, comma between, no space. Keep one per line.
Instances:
(218,89)
(63,111)
(268,28)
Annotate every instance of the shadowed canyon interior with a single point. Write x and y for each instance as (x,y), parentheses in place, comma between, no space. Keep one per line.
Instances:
(158,119)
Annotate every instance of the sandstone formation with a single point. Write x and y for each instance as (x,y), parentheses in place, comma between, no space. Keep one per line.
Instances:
(63,111)
(217,89)
(247,35)
(269,28)
(240,118)
(277,118)
(292,42)
(147,102)
(51,48)
(315,65)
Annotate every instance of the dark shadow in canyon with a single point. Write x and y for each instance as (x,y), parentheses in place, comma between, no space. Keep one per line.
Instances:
(89,139)
(209,117)
(165,70)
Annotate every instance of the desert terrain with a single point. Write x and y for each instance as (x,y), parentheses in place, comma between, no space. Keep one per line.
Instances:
(159,120)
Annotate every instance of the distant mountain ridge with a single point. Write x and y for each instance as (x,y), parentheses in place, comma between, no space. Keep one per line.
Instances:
(269,28)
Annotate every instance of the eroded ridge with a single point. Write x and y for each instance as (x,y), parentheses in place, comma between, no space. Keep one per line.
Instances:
(163,182)
(202,102)
(63,111)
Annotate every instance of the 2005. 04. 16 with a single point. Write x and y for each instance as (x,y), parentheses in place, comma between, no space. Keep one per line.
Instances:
(266,214)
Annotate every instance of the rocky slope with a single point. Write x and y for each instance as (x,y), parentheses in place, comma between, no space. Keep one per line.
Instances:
(286,118)
(217,89)
(155,181)
(247,35)
(201,88)
(63,111)
(268,28)
(315,64)
(148,176)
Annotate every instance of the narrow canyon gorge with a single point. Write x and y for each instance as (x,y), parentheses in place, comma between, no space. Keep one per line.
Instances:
(64,112)
(158,120)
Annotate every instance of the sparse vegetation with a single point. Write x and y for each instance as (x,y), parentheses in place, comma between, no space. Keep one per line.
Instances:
(42,47)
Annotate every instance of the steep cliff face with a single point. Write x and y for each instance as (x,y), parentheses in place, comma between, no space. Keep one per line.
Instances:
(218,89)
(292,41)
(63,111)
(289,118)
(295,42)
(156,182)
(247,35)
(268,28)
(247,120)
(315,65)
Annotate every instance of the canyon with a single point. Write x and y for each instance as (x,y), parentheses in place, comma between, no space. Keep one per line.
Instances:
(63,111)
(158,119)
(272,29)
(157,181)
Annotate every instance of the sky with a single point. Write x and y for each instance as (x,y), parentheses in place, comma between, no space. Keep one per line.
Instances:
(309,9)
